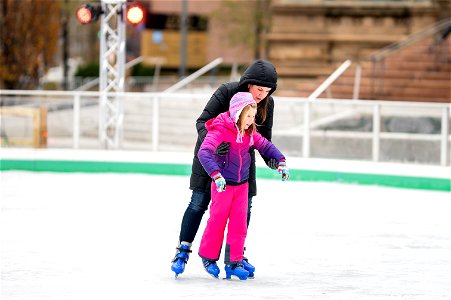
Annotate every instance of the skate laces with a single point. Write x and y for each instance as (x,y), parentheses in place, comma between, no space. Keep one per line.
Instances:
(183,249)
(234,266)
(182,253)
(207,262)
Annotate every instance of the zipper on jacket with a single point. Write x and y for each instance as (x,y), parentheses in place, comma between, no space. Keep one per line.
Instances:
(240,166)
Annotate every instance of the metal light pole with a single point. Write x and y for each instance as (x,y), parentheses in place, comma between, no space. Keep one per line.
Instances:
(183,38)
(65,38)
(112,72)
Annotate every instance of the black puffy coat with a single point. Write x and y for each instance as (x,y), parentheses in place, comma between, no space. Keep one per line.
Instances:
(261,73)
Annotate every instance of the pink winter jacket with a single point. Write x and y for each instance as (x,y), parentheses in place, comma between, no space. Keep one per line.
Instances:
(234,167)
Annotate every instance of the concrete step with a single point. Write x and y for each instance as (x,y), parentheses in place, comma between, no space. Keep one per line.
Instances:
(408,98)
(414,91)
(177,119)
(437,80)
(440,72)
(401,82)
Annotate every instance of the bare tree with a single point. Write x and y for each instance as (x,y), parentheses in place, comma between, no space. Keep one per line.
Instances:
(29,34)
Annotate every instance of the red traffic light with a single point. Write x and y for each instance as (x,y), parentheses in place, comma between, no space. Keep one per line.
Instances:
(88,13)
(135,14)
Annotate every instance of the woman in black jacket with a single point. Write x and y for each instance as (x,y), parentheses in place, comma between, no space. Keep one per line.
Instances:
(260,79)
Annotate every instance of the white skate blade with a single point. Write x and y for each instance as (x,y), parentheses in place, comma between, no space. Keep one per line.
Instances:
(235,278)
(215,277)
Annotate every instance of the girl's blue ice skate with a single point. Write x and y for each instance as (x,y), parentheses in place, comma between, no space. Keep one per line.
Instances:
(248,267)
(236,270)
(180,259)
(211,267)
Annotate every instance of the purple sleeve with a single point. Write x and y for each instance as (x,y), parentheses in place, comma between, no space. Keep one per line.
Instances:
(266,148)
(207,152)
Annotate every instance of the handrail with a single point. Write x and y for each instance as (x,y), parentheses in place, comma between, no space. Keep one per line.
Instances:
(332,77)
(172,88)
(411,39)
(95,82)
(178,85)
(319,90)
(88,85)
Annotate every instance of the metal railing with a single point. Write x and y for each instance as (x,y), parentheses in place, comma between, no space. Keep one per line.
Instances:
(166,121)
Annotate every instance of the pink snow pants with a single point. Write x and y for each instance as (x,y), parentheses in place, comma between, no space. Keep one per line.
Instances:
(229,205)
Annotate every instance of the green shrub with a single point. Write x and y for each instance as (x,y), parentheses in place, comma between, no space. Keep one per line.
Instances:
(142,70)
(88,70)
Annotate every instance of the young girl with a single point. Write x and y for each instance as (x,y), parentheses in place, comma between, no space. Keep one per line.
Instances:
(238,128)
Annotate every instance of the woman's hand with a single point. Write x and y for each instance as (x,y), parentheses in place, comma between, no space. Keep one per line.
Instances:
(223,149)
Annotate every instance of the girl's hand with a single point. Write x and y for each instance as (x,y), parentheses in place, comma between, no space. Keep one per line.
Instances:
(282,169)
(220,182)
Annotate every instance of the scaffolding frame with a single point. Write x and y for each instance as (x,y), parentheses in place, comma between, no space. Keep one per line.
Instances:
(112,72)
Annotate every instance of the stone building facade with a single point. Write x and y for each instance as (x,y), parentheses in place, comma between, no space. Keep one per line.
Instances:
(309,38)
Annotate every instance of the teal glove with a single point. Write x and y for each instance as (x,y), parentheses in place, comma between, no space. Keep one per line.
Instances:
(220,182)
(282,169)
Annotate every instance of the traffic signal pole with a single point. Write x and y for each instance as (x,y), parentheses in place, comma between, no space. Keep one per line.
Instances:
(112,72)
(113,14)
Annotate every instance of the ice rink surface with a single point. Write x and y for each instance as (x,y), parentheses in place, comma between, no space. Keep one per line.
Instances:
(112,236)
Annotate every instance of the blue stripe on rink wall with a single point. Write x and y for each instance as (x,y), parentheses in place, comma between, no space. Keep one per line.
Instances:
(399,181)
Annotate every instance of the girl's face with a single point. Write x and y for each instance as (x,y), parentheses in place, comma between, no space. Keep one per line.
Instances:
(258,92)
(248,118)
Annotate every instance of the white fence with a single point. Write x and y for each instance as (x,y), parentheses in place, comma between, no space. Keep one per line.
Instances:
(336,128)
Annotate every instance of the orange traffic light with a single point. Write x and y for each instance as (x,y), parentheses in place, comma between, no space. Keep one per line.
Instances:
(88,13)
(135,14)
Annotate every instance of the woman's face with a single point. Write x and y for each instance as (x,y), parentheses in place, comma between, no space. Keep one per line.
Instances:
(258,92)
